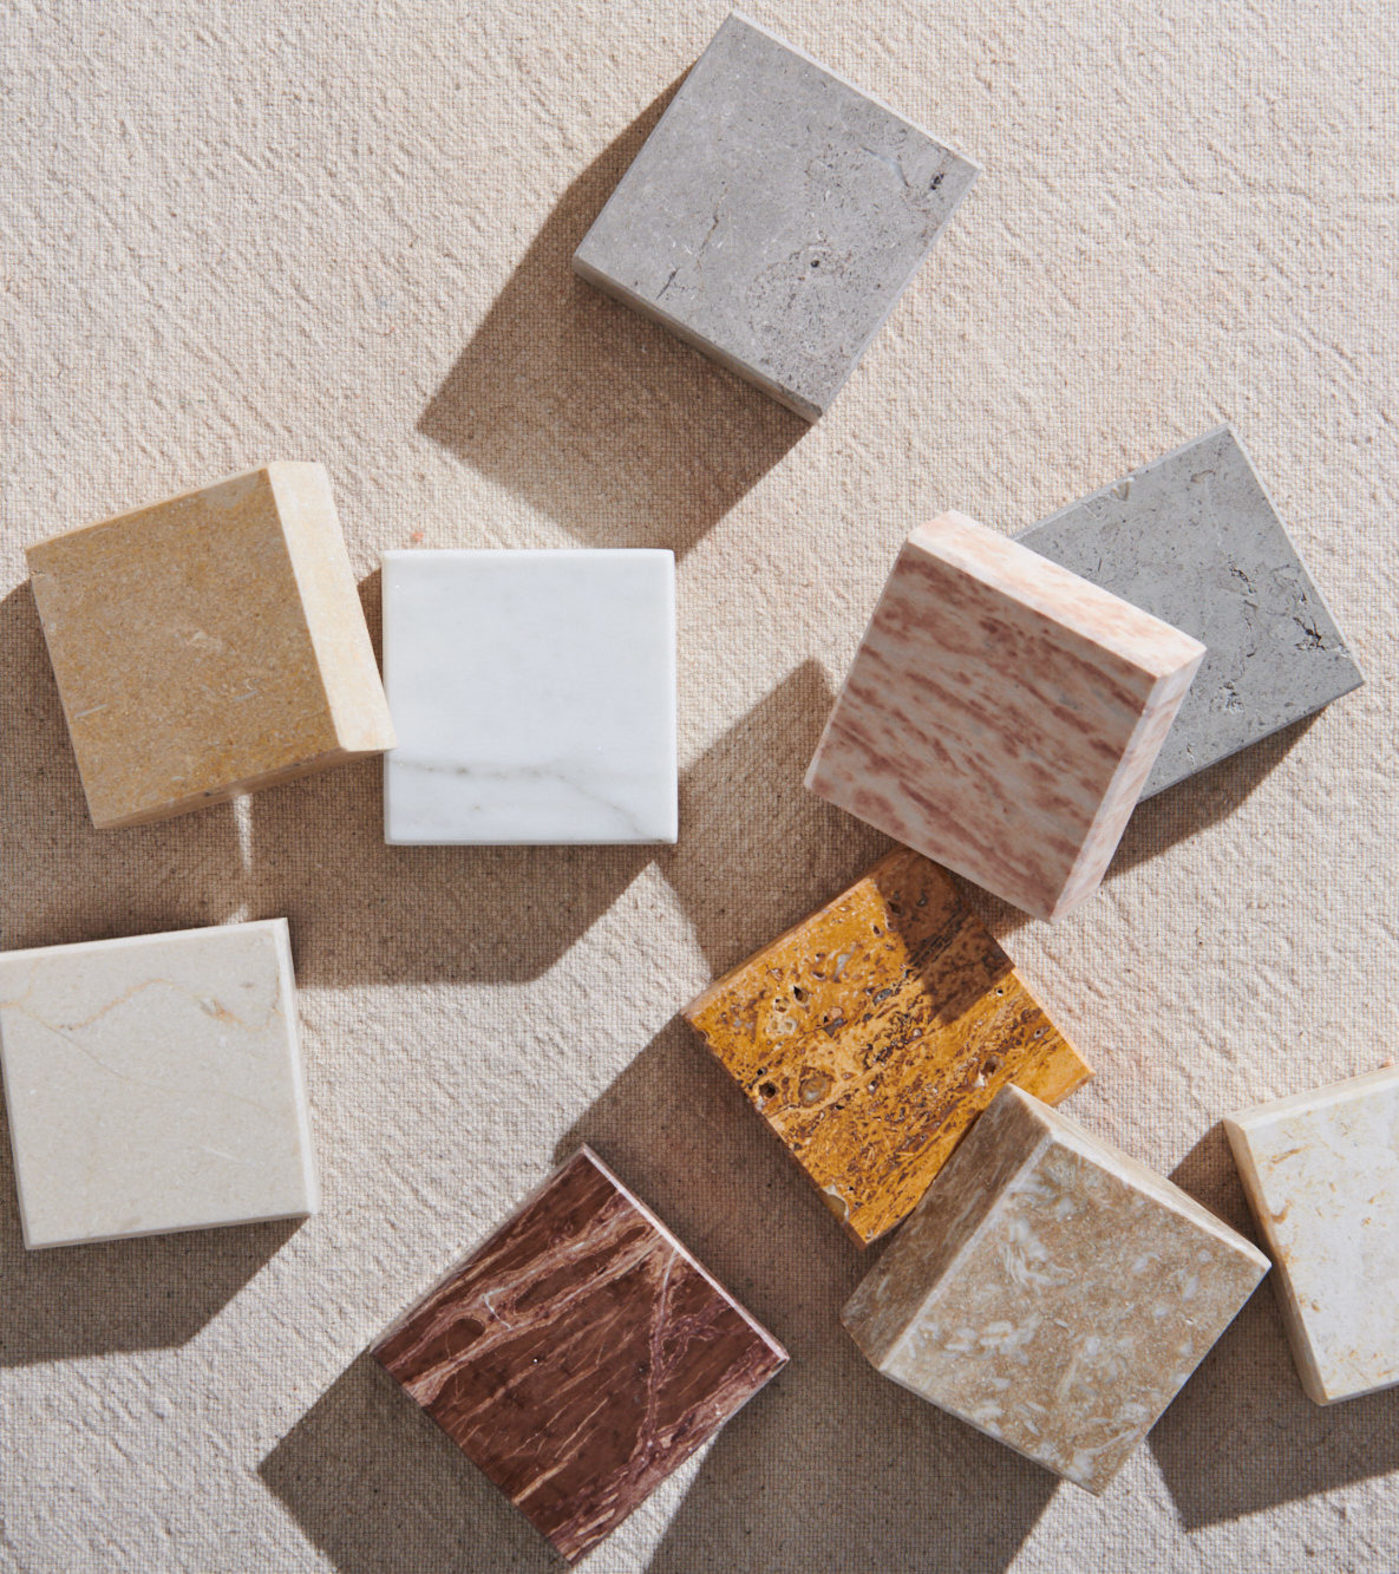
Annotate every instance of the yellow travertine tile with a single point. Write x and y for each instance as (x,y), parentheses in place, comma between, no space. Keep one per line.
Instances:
(870,1037)
(209,645)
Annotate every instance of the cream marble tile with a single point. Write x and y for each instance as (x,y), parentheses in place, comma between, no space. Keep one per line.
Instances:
(1321,1170)
(1001,715)
(154,1083)
(1052,1291)
(533,694)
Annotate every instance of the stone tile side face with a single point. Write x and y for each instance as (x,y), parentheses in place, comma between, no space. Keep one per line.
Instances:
(184,651)
(1321,1171)
(580,1355)
(871,1035)
(1001,715)
(774,216)
(1195,539)
(1060,1313)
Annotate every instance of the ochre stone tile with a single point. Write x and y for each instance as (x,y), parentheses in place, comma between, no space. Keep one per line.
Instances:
(1052,1291)
(871,1035)
(209,645)
(1001,715)
(580,1355)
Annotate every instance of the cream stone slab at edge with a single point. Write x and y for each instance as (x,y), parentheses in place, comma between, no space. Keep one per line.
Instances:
(1195,539)
(1052,1291)
(209,645)
(534,696)
(1002,714)
(154,1083)
(774,216)
(1321,1170)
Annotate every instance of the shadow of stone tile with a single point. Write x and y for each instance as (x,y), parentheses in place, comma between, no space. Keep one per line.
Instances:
(61,880)
(831,1467)
(379,1489)
(596,417)
(1243,1437)
(147,1294)
(757,851)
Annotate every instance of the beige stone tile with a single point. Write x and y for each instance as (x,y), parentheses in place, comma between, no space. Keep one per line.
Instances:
(209,645)
(1001,715)
(1052,1291)
(154,1083)
(1321,1170)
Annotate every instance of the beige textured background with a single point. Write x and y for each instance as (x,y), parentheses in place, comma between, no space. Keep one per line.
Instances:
(339,232)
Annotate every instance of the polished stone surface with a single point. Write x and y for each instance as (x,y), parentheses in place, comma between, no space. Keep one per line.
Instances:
(774,216)
(1051,1291)
(534,696)
(580,1355)
(871,1035)
(1195,539)
(1001,715)
(154,1083)
(209,645)
(1321,1170)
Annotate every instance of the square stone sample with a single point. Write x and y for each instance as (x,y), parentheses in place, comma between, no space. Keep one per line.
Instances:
(209,645)
(580,1356)
(1051,1291)
(534,696)
(1321,1170)
(154,1083)
(774,216)
(1001,715)
(872,1035)
(1194,538)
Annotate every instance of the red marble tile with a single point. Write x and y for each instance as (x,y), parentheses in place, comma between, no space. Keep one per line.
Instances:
(580,1355)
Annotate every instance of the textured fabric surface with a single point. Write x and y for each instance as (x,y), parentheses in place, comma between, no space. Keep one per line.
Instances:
(341,233)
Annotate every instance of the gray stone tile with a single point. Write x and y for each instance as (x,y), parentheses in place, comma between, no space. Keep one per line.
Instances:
(1194,538)
(774,216)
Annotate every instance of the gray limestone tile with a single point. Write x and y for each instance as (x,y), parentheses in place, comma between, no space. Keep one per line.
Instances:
(774,216)
(1194,538)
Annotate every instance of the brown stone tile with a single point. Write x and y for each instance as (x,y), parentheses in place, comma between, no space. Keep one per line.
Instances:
(580,1355)
(871,1035)
(209,645)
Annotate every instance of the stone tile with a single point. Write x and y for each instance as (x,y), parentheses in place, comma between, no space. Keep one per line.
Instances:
(534,696)
(1001,715)
(580,1355)
(1194,538)
(1051,1291)
(1321,1170)
(871,1035)
(774,216)
(154,1083)
(209,645)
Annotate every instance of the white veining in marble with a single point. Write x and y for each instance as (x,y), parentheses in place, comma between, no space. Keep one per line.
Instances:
(1321,1170)
(533,695)
(154,1083)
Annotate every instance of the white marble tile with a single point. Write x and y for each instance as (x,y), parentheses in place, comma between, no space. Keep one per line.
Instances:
(533,695)
(1321,1170)
(154,1083)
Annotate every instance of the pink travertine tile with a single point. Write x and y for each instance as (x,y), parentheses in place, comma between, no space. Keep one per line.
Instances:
(1002,714)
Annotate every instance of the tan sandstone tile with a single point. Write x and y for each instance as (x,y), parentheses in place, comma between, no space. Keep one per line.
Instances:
(209,645)
(1051,1291)
(871,1035)
(1001,715)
